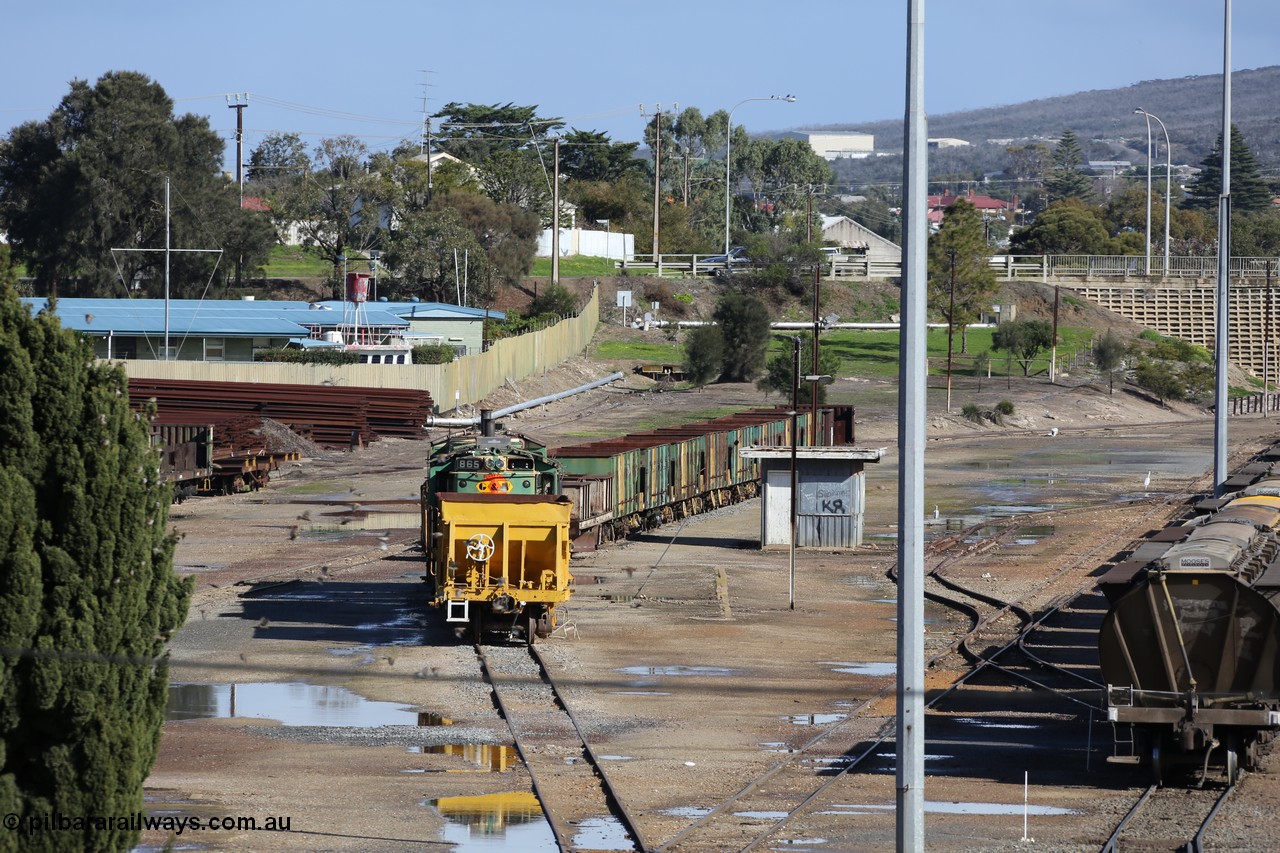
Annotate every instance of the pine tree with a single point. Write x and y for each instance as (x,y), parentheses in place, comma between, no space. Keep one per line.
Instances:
(1249,192)
(1065,179)
(87,586)
(959,263)
(744,323)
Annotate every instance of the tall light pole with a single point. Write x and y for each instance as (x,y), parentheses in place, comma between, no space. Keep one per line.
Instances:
(1168,184)
(728,150)
(1146,270)
(1221,342)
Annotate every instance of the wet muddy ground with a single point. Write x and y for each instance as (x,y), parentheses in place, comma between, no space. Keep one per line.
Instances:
(330,693)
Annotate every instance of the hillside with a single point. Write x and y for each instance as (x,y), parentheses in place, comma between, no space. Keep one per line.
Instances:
(1103,119)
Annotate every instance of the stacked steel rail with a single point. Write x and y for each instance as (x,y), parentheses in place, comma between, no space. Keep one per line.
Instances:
(330,416)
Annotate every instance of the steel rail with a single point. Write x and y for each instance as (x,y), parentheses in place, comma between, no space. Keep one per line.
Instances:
(564,838)
(880,736)
(1113,843)
(563,833)
(1006,528)
(610,790)
(1196,845)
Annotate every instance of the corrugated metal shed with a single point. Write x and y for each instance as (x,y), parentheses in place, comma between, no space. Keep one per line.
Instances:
(831,483)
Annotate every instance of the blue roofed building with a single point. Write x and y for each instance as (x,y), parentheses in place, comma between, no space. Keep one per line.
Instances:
(217,330)
(457,326)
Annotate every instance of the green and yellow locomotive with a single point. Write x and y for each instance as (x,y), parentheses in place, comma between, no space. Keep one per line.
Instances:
(495,530)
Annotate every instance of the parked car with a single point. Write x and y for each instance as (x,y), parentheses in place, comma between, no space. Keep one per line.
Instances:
(725,264)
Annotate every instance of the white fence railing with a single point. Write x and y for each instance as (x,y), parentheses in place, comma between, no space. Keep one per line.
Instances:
(1009,267)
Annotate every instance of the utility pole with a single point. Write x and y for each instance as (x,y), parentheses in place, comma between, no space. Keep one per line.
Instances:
(808,220)
(795,496)
(657,168)
(555,215)
(813,400)
(1053,351)
(238,102)
(1266,349)
(1221,343)
(912,384)
(424,139)
(234,102)
(657,176)
(951,323)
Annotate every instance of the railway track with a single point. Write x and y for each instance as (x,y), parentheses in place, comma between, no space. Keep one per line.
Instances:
(1050,650)
(1169,819)
(569,778)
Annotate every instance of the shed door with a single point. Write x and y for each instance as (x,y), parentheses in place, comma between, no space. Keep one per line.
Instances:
(777,518)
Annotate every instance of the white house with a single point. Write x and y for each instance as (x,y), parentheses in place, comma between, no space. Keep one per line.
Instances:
(857,238)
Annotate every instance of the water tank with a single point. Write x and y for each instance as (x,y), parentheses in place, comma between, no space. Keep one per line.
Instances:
(333,337)
(357,287)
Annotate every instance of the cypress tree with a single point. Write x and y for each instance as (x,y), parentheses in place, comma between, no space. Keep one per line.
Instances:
(87,587)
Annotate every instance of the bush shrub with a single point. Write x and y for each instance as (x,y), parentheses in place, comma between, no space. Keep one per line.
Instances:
(433,354)
(289,355)
(1004,407)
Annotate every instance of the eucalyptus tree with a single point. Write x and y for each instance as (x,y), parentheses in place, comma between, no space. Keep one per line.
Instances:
(113,168)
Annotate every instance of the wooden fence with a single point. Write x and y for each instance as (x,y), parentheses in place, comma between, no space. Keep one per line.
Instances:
(464,381)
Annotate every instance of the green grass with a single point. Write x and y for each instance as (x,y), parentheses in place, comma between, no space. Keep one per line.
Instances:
(639,352)
(873,353)
(576,265)
(297,262)
(659,421)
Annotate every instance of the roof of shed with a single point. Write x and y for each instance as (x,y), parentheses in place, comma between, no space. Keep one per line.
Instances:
(209,317)
(425,310)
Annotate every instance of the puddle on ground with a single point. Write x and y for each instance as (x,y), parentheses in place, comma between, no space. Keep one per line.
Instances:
(291,703)
(602,833)
(686,811)
(988,724)
(363,519)
(794,842)
(616,757)
(488,757)
(761,815)
(893,756)
(495,822)
(837,761)
(1033,533)
(939,807)
(640,692)
(196,567)
(814,719)
(365,653)
(678,670)
(878,670)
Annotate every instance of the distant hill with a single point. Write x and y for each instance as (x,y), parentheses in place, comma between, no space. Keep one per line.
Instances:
(1104,121)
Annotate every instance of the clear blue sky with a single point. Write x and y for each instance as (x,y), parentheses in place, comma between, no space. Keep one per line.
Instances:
(324,69)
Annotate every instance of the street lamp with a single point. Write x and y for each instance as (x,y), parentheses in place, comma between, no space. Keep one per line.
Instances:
(728,150)
(1168,186)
